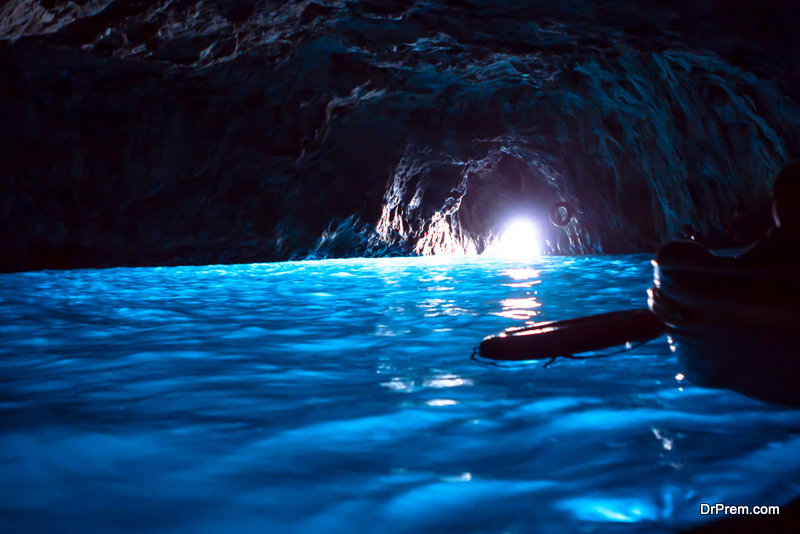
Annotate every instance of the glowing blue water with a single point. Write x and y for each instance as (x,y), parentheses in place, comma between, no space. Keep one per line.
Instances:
(339,396)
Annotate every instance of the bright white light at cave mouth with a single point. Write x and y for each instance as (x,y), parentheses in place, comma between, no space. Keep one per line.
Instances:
(520,240)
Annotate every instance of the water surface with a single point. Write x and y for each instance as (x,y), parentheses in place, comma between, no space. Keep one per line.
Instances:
(339,396)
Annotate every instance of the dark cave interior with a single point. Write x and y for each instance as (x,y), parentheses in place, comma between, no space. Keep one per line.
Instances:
(191,132)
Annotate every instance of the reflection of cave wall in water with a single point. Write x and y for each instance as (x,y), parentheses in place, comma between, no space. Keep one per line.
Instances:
(192,132)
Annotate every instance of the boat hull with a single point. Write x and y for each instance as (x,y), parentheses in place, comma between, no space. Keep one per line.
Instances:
(757,362)
(733,329)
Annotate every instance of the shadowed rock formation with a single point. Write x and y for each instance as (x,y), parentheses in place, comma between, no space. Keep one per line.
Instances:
(147,133)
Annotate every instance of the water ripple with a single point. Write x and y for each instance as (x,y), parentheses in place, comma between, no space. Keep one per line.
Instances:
(339,396)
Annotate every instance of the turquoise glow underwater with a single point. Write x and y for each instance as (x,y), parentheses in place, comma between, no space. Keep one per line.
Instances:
(339,396)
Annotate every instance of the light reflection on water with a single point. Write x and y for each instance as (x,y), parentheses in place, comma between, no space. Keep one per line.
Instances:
(339,396)
(521,309)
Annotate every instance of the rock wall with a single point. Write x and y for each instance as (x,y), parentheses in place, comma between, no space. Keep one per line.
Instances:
(147,133)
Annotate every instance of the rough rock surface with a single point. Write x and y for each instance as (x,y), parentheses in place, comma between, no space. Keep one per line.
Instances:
(140,132)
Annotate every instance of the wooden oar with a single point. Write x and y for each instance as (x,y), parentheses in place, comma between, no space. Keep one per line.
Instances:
(551,339)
